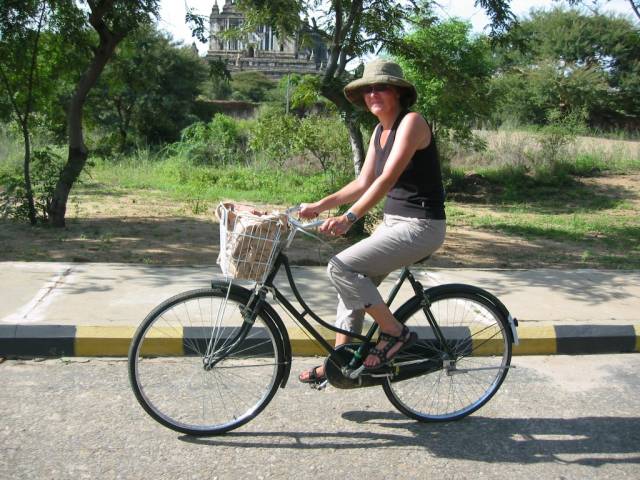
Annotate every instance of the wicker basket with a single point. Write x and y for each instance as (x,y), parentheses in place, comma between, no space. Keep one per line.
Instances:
(249,242)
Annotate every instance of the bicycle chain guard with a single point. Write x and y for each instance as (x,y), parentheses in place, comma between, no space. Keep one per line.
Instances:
(340,358)
(336,362)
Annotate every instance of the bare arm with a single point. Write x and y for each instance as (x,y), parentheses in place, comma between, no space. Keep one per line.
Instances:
(413,133)
(350,192)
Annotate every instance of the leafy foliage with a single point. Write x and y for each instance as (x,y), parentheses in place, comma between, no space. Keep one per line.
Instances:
(570,61)
(451,71)
(146,93)
(274,136)
(252,86)
(326,139)
(46,165)
(560,131)
(219,142)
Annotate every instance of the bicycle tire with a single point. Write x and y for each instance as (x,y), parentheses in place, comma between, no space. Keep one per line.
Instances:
(480,336)
(167,360)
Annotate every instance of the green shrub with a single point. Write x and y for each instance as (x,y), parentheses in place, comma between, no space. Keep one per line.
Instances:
(326,139)
(560,132)
(274,136)
(45,169)
(218,142)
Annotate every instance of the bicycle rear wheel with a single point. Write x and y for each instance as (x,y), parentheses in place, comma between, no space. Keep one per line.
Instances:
(183,373)
(479,338)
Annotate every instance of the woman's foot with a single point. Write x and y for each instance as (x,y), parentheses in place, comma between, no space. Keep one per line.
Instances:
(388,346)
(313,375)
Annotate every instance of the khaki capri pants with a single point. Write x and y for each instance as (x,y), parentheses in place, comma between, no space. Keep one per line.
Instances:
(358,270)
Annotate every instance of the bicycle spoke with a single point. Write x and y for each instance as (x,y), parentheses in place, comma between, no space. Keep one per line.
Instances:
(179,389)
(476,338)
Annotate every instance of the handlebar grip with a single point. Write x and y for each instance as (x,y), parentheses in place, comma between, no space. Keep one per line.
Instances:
(297,223)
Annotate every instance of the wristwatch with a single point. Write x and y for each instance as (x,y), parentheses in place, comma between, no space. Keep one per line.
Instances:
(352,217)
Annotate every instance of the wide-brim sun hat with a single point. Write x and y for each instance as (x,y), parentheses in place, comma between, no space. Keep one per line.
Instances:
(379,72)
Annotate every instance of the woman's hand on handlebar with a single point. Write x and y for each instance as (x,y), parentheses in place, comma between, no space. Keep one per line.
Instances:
(335,226)
(309,210)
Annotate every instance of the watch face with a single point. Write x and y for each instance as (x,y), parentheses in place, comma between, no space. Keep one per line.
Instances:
(351,217)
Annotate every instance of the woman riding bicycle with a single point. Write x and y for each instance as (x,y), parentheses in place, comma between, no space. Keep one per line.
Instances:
(402,164)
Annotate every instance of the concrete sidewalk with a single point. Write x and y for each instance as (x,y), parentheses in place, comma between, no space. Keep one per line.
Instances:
(51,309)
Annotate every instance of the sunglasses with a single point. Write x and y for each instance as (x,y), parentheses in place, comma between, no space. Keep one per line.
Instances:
(375,89)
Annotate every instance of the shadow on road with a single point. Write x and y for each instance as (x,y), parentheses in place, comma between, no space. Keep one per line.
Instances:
(591,441)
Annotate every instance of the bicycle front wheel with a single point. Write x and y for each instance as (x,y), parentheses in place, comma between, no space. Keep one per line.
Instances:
(197,367)
(472,367)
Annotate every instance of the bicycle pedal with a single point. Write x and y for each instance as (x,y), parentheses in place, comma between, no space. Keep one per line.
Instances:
(319,386)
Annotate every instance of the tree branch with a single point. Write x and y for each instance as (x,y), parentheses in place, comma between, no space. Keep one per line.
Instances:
(332,63)
(353,23)
(34,59)
(354,12)
(7,85)
(635,8)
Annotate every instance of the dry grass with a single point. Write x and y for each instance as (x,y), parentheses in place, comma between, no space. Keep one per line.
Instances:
(517,148)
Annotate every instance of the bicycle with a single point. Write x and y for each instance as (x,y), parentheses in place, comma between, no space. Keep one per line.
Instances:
(207,361)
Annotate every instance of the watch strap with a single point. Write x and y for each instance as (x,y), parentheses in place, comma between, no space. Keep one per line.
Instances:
(352,217)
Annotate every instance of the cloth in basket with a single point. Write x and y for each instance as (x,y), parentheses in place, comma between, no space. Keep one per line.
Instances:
(249,240)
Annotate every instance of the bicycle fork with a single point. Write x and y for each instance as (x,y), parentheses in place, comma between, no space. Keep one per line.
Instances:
(249,314)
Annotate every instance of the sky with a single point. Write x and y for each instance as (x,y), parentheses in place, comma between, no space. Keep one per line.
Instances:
(172,13)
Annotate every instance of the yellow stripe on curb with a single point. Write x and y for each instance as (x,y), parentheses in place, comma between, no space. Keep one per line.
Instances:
(536,341)
(637,329)
(102,341)
(107,341)
(486,342)
(303,346)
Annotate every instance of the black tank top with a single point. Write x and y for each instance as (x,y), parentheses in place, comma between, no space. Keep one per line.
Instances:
(419,192)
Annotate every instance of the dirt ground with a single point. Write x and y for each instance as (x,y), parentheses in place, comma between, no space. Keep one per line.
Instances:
(147,227)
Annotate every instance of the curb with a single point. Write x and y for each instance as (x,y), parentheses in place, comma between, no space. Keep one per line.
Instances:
(108,341)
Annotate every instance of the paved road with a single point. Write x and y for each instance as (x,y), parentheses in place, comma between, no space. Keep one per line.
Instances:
(555,417)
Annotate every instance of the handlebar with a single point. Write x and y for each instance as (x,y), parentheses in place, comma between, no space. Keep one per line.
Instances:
(297,223)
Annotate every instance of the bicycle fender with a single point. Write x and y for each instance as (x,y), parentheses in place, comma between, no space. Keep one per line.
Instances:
(461,287)
(269,311)
(471,289)
(286,343)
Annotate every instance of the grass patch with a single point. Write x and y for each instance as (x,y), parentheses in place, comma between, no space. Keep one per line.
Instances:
(547,189)
(614,234)
(195,184)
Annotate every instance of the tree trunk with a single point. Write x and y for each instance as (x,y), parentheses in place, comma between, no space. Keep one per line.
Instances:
(78,153)
(335,96)
(357,150)
(27,174)
(357,145)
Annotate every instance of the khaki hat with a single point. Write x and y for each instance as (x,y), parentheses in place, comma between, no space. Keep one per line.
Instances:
(380,72)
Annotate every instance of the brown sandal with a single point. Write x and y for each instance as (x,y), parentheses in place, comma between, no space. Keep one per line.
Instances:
(407,338)
(313,376)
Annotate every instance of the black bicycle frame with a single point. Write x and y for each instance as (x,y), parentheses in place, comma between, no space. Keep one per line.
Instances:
(282,260)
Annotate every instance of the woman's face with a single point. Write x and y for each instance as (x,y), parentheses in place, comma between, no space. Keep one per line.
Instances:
(381,98)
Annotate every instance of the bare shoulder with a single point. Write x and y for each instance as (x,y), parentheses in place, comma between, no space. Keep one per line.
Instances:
(414,126)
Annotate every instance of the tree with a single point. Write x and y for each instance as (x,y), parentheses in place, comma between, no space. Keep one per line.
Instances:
(111,20)
(251,86)
(352,29)
(451,71)
(569,61)
(217,87)
(21,25)
(634,4)
(148,89)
